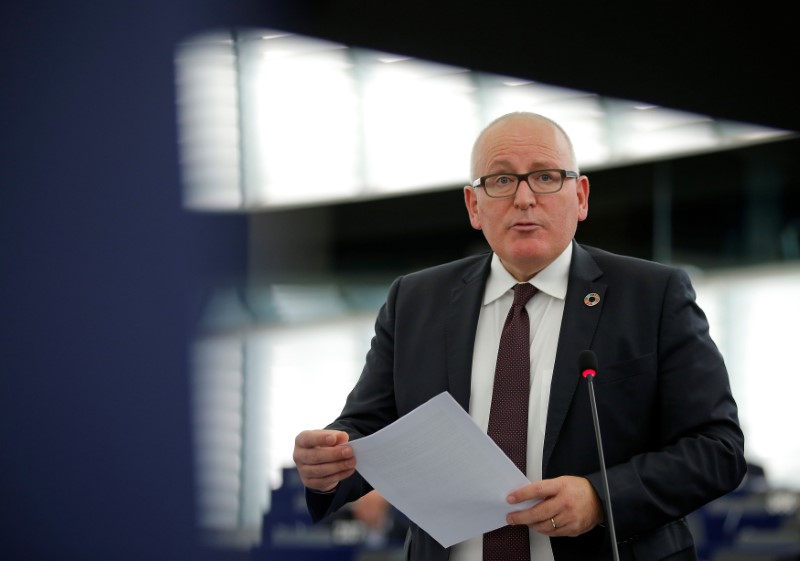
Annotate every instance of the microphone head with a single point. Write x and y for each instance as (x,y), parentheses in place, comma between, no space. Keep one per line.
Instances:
(587,363)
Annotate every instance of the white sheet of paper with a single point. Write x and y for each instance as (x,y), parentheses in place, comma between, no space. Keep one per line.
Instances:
(442,471)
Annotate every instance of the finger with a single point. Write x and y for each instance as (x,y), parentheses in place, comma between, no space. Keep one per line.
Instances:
(321,455)
(540,490)
(321,446)
(317,472)
(313,438)
(327,469)
(328,482)
(555,525)
(538,516)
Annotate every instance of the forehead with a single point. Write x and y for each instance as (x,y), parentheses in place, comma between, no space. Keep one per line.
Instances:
(521,141)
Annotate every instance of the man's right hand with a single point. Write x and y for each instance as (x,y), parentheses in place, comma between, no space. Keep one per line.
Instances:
(321,462)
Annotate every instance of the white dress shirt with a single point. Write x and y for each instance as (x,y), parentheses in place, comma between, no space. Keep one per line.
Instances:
(545,310)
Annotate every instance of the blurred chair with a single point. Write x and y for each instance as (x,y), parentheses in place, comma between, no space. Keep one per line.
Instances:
(369,529)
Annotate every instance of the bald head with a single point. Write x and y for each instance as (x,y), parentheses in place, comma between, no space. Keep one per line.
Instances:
(518,116)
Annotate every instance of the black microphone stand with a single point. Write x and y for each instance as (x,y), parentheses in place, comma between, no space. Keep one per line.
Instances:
(604,474)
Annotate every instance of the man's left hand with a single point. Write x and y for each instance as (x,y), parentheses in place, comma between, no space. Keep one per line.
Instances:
(569,506)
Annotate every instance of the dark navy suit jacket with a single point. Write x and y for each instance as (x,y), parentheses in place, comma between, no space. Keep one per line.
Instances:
(671,435)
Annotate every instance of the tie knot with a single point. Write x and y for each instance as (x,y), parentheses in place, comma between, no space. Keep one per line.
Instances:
(523,292)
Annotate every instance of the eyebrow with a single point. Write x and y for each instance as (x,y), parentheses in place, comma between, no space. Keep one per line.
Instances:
(506,165)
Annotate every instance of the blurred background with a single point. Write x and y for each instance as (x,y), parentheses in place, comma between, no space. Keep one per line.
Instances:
(202,205)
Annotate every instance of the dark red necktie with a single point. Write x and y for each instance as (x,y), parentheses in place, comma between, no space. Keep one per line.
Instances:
(508,417)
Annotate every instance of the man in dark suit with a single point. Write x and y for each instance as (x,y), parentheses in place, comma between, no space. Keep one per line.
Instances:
(671,435)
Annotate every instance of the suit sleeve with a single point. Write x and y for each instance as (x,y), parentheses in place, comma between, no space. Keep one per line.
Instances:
(370,406)
(696,451)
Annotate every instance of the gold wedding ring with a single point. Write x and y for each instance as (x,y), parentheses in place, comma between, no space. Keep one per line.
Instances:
(554,523)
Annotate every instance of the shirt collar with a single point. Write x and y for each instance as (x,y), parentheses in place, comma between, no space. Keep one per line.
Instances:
(551,280)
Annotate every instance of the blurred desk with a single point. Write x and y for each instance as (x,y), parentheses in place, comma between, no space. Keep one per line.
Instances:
(288,534)
(749,526)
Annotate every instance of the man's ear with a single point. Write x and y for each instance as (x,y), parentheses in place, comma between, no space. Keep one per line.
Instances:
(471,201)
(583,197)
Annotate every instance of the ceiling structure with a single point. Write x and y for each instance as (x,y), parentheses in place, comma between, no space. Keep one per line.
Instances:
(384,124)
(708,59)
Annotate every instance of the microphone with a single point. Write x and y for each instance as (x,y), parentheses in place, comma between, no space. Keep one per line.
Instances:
(587,363)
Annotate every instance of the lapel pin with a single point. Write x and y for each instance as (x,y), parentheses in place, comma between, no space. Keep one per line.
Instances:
(591,299)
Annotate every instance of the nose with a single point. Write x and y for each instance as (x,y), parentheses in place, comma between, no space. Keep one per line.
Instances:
(524,197)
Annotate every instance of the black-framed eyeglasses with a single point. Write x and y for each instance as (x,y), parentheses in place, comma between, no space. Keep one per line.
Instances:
(540,181)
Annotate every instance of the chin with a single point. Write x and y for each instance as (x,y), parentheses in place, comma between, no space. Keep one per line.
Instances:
(529,249)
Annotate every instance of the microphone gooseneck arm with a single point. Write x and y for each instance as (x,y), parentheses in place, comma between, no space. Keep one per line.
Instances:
(588,367)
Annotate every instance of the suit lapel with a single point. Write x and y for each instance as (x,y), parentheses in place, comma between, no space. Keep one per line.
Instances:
(463,311)
(577,331)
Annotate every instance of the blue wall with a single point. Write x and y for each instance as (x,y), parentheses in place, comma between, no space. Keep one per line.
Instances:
(101,279)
